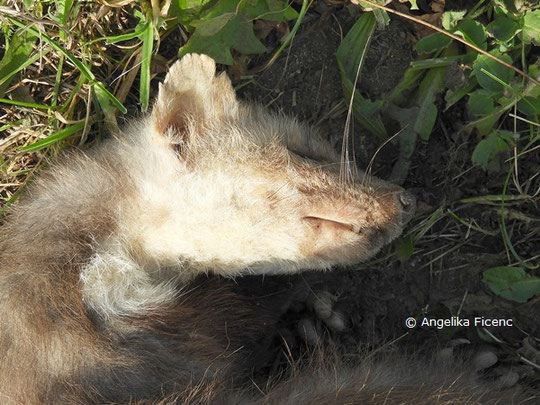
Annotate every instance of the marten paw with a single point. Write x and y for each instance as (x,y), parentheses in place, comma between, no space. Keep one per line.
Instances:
(322,314)
(489,362)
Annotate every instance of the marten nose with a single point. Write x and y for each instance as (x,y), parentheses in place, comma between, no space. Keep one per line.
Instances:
(407,202)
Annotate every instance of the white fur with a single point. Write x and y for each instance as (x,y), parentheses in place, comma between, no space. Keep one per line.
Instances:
(214,187)
(114,284)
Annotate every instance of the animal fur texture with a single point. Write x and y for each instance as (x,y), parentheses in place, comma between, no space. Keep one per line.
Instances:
(104,289)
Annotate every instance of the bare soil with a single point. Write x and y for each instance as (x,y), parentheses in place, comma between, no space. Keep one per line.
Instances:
(443,278)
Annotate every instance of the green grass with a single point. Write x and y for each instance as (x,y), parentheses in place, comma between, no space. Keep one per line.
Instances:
(78,61)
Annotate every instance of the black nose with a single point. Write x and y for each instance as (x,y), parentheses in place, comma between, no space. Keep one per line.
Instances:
(408,205)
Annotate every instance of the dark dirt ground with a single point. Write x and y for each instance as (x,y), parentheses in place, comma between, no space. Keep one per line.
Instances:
(443,278)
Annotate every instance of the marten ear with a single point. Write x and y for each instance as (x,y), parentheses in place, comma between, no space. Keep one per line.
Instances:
(193,93)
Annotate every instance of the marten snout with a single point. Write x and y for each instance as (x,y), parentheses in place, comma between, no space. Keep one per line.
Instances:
(407,202)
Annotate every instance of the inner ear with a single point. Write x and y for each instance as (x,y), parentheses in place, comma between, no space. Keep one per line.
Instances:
(173,115)
(192,93)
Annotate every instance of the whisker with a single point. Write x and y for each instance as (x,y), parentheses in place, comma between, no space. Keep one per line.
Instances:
(370,164)
(321,166)
(346,173)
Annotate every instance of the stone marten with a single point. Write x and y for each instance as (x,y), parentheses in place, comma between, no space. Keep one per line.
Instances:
(106,287)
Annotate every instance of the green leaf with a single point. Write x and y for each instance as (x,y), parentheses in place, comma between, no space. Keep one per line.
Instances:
(404,248)
(85,70)
(485,124)
(529,105)
(414,6)
(285,43)
(499,71)
(431,86)
(489,148)
(434,62)
(139,29)
(111,97)
(228,24)
(381,17)
(350,56)
(408,80)
(237,34)
(417,120)
(270,10)
(104,104)
(188,4)
(427,116)
(235,31)
(503,28)
(54,138)
(211,27)
(512,283)
(407,136)
(453,96)
(451,18)
(473,32)
(353,48)
(16,57)
(289,14)
(63,9)
(531,27)
(433,42)
(506,6)
(187,11)
(10,125)
(25,104)
(481,103)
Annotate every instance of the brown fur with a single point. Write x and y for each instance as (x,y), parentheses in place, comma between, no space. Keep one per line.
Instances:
(403,380)
(397,380)
(104,293)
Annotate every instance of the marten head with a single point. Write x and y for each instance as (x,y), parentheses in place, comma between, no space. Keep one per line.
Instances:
(230,188)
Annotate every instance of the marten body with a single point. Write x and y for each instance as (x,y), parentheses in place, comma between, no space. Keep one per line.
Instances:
(104,293)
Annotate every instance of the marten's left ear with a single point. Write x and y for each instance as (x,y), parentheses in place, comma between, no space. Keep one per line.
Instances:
(193,93)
